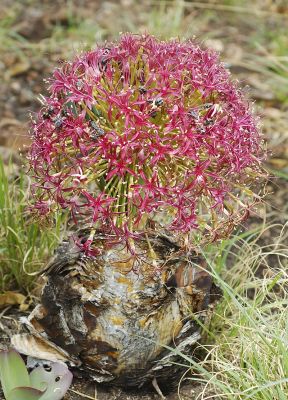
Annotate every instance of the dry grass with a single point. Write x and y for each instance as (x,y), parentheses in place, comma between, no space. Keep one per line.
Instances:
(247,357)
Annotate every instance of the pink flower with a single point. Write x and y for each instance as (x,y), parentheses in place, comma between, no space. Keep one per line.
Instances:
(142,127)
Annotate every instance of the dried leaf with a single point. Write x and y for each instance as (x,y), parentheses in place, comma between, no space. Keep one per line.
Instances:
(19,68)
(14,298)
(39,347)
(11,299)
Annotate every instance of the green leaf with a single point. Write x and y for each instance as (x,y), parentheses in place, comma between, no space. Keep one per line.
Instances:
(24,393)
(13,371)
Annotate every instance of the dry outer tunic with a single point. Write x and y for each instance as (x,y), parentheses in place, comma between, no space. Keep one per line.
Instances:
(112,315)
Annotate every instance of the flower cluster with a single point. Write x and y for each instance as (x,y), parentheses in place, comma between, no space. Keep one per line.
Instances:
(146,130)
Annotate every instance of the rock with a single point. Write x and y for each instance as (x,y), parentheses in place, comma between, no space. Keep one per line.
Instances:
(26,97)
(16,87)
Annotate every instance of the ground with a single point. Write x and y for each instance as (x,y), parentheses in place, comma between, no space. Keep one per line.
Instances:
(36,35)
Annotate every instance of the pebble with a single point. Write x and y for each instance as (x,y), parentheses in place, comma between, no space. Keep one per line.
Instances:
(26,97)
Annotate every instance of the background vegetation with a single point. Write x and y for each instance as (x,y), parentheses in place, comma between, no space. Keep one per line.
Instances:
(247,352)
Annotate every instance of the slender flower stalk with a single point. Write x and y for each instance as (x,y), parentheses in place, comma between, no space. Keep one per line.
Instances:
(145,130)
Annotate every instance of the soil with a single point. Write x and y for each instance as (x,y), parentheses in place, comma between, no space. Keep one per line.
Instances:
(29,60)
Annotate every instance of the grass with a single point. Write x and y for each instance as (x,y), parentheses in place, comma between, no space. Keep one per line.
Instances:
(247,357)
(24,245)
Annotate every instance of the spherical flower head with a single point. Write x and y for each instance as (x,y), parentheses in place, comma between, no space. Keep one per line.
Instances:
(144,130)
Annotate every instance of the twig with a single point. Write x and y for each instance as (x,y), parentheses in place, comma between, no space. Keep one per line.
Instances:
(85,395)
(157,388)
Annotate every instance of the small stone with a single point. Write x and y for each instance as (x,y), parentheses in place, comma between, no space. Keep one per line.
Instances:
(26,97)
(16,87)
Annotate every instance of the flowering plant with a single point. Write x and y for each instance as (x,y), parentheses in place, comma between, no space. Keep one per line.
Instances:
(145,130)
